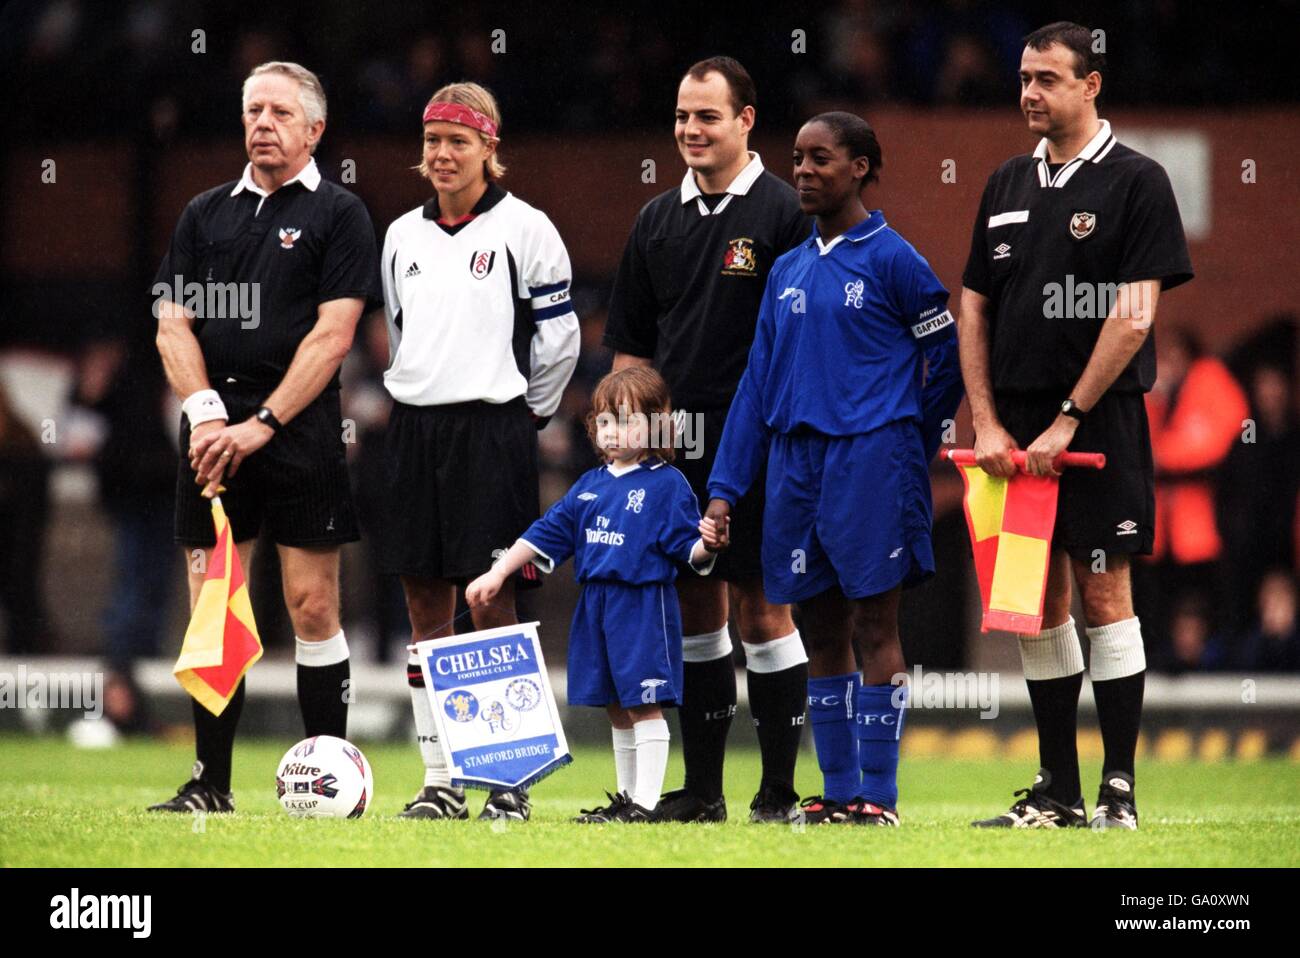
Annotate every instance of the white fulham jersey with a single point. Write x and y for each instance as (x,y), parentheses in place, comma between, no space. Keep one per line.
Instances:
(479,310)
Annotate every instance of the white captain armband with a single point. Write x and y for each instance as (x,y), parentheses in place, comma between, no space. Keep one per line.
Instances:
(204,406)
(932,325)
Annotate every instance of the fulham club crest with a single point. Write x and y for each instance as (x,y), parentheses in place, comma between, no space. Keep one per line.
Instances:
(480,264)
(288,237)
(1082,224)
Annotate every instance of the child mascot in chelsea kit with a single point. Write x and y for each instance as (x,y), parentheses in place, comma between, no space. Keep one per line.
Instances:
(628,524)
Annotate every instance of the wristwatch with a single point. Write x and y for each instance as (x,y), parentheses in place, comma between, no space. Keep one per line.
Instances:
(1071,408)
(267,418)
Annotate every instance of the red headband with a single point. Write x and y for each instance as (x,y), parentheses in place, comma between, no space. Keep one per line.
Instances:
(455,113)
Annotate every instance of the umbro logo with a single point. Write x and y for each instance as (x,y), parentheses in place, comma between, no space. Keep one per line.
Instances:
(1126,528)
(1001,251)
(587,496)
(412,270)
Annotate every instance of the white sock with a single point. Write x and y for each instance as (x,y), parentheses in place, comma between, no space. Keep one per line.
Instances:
(1116,650)
(331,651)
(707,646)
(1052,653)
(625,759)
(775,656)
(426,734)
(651,761)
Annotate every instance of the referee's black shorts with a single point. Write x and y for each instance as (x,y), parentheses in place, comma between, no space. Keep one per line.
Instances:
(461,485)
(1112,509)
(296,486)
(742,561)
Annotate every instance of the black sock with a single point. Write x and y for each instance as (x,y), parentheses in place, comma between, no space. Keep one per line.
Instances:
(214,739)
(323,694)
(777,701)
(708,705)
(1119,713)
(1056,713)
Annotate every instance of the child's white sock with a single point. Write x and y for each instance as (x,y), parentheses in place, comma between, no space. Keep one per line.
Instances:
(651,761)
(625,759)
(426,729)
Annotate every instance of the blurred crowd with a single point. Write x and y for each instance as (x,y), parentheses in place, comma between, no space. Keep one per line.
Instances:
(567,65)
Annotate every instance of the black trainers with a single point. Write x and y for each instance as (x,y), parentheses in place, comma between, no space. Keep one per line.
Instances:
(1036,809)
(602,816)
(436,801)
(682,806)
(632,813)
(863,812)
(197,795)
(816,810)
(507,806)
(774,804)
(1115,804)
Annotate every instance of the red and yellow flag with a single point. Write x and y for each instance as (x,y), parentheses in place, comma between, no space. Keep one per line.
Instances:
(221,643)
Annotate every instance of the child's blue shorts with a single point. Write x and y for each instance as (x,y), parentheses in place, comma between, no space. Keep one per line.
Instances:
(625,645)
(852,511)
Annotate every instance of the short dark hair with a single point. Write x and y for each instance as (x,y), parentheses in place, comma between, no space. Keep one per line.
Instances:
(1073,37)
(739,82)
(857,136)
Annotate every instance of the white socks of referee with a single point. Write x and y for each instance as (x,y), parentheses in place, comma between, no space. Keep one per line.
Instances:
(426,729)
(324,685)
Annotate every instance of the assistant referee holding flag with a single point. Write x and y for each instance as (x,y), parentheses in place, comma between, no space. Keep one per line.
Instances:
(261,389)
(1082,221)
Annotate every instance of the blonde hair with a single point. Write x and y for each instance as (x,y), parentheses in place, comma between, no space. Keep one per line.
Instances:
(480,99)
(311,95)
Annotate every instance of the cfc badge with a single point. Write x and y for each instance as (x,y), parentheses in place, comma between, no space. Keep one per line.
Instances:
(461,706)
(1082,224)
(739,260)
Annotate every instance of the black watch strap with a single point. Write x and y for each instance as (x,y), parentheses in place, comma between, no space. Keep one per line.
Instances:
(266,417)
(1071,408)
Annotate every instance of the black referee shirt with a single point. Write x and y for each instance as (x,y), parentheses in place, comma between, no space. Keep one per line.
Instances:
(301,246)
(1046,240)
(692,276)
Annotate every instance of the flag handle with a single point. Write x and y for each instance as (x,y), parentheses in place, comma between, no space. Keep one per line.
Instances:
(1084,460)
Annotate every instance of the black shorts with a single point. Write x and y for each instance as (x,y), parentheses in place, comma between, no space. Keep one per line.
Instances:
(1111,509)
(460,486)
(296,486)
(742,561)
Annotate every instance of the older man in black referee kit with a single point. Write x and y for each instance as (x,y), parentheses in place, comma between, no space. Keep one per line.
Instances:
(686,301)
(261,389)
(1082,213)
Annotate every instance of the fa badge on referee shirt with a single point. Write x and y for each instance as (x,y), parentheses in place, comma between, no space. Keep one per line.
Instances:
(1082,224)
(499,677)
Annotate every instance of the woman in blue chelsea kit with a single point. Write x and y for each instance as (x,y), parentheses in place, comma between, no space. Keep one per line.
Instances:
(851,377)
(628,523)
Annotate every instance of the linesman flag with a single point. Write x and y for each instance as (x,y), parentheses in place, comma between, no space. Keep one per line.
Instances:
(1010,523)
(221,643)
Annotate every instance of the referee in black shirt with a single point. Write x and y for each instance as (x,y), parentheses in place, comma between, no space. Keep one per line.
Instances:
(257,300)
(1071,250)
(686,301)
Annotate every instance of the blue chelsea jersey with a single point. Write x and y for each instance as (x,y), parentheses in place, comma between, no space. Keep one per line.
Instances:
(846,332)
(631,528)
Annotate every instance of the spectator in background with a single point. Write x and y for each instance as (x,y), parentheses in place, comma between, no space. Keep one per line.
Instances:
(1257,504)
(1193,646)
(1195,411)
(1273,645)
(24,509)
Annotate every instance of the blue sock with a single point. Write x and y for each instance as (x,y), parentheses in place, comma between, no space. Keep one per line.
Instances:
(830,708)
(880,726)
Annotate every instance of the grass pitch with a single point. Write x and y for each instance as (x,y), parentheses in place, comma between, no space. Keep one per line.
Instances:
(61,806)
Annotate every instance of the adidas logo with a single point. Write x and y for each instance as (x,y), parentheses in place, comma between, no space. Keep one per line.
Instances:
(412,270)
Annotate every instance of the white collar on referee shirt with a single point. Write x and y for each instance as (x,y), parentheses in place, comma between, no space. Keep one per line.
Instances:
(308,176)
(1094,152)
(738,187)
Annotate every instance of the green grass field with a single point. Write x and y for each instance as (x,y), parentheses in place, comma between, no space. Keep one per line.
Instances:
(61,806)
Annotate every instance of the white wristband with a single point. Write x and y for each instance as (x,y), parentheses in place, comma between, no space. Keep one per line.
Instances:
(204,406)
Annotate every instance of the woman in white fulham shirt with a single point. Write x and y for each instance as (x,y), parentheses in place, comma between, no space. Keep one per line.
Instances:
(482,341)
